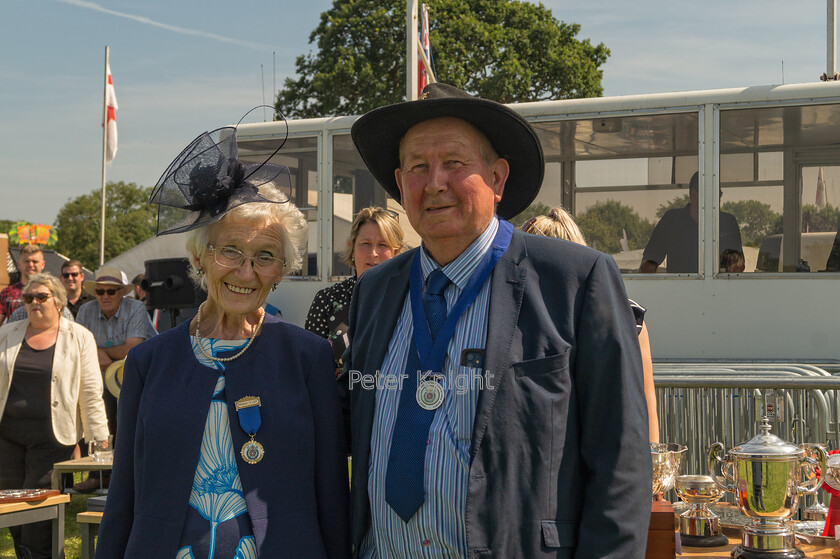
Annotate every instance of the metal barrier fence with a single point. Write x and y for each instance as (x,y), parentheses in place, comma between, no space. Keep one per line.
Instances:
(701,403)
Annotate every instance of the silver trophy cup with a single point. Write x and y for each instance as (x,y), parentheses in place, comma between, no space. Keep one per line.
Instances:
(699,526)
(666,459)
(767,475)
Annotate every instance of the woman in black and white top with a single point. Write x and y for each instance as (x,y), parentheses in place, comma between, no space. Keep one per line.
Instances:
(375,236)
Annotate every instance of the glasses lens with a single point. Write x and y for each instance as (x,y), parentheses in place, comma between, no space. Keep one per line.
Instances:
(268,265)
(229,257)
(104,291)
(40,297)
(67,275)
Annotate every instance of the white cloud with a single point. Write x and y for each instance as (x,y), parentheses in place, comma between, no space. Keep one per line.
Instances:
(174,28)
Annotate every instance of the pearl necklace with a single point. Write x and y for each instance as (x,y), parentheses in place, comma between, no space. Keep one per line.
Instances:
(223,359)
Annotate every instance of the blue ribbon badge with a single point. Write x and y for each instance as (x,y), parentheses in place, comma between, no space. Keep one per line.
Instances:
(250,420)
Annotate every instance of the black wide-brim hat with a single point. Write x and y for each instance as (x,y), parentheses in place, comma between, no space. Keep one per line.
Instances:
(377,136)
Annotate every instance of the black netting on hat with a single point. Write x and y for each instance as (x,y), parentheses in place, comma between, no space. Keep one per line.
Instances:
(207,180)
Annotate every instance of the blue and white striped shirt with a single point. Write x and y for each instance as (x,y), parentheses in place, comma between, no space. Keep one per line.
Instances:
(438,527)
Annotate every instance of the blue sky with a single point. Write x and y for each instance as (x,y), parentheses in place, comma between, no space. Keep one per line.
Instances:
(185,66)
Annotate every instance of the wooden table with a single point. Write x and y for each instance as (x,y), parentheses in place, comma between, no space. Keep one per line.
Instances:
(51,508)
(811,551)
(89,523)
(86,464)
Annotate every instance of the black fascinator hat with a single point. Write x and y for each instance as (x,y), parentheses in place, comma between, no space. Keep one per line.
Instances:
(207,180)
(377,136)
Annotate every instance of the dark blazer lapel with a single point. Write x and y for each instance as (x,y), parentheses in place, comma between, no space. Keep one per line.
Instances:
(506,291)
(382,322)
(384,293)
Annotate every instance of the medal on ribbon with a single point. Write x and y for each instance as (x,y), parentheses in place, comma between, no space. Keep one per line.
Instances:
(250,420)
(430,393)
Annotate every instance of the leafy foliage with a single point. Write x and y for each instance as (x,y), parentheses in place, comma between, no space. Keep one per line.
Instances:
(815,219)
(755,219)
(130,220)
(603,225)
(7,226)
(676,203)
(505,50)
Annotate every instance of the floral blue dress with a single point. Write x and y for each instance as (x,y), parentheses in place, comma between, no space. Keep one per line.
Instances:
(217,524)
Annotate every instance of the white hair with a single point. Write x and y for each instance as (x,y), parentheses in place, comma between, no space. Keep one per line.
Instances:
(289,220)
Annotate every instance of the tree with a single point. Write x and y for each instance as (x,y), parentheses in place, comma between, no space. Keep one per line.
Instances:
(815,219)
(130,220)
(675,204)
(604,224)
(7,225)
(505,50)
(755,219)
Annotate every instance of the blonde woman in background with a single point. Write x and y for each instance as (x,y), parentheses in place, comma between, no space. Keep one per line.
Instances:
(375,236)
(560,224)
(50,395)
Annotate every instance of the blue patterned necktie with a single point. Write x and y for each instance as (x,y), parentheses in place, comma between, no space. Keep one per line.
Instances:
(405,475)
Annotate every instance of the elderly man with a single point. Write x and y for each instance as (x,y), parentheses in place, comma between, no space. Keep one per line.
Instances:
(118,323)
(30,261)
(495,380)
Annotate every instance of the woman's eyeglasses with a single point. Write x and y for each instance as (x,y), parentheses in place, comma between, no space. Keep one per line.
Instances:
(263,263)
(40,297)
(110,292)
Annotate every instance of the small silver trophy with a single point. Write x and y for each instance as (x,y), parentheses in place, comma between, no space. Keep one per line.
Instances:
(699,526)
(817,510)
(666,459)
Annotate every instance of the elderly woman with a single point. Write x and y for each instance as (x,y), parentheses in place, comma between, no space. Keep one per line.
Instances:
(559,223)
(231,437)
(50,395)
(375,237)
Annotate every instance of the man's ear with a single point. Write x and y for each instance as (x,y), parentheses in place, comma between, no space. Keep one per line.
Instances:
(501,171)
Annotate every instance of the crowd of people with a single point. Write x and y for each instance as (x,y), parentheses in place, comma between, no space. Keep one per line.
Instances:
(491,386)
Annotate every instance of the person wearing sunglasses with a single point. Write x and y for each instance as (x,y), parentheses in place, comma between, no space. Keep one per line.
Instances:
(72,277)
(50,396)
(118,324)
(231,439)
(375,236)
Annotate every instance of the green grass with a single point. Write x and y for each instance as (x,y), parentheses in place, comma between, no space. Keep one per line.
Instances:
(72,532)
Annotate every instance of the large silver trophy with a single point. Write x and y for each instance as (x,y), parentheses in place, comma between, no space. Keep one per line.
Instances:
(699,526)
(766,474)
(666,459)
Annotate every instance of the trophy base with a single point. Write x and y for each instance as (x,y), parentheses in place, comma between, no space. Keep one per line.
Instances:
(703,541)
(741,553)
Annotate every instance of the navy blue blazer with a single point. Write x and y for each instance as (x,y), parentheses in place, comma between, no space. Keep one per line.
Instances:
(560,462)
(296,495)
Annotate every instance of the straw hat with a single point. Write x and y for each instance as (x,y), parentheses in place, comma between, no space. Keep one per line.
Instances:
(107,275)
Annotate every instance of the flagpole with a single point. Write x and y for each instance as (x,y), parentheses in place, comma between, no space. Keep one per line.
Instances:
(411,50)
(104,155)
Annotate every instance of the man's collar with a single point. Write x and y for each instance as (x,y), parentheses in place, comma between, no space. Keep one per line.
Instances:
(460,270)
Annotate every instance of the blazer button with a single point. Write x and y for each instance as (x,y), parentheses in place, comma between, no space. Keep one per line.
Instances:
(55,404)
